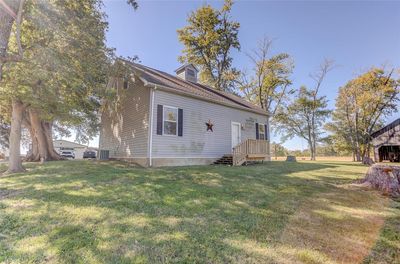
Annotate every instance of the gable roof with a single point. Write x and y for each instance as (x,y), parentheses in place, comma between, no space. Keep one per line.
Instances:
(174,84)
(185,66)
(386,128)
(63,142)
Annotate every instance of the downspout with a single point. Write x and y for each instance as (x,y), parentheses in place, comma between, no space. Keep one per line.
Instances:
(152,91)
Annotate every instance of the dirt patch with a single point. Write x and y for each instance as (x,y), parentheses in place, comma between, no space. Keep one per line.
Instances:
(341,226)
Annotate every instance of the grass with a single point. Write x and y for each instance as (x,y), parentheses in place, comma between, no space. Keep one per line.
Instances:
(91,212)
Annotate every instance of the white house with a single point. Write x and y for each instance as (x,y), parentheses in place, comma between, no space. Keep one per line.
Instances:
(161,119)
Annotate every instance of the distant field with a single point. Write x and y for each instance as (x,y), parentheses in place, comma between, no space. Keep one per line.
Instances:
(319,158)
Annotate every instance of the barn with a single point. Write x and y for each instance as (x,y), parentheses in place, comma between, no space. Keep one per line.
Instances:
(386,142)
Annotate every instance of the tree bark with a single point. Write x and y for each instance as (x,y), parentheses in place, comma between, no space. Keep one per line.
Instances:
(384,178)
(15,162)
(42,139)
(33,154)
(310,146)
(48,131)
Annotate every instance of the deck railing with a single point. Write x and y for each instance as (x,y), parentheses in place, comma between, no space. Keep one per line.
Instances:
(250,149)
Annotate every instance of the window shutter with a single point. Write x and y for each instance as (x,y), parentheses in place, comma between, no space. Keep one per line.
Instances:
(266,132)
(159,119)
(257,132)
(180,122)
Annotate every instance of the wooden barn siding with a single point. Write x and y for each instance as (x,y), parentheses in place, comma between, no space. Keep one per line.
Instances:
(196,142)
(391,137)
(125,134)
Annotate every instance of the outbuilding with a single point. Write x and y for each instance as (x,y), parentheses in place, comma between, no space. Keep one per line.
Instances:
(64,145)
(386,142)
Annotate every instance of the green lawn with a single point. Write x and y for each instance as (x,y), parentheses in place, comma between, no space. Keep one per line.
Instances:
(91,212)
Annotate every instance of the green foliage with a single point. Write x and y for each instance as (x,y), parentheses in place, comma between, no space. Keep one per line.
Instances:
(268,84)
(278,150)
(64,69)
(133,3)
(361,108)
(209,38)
(296,119)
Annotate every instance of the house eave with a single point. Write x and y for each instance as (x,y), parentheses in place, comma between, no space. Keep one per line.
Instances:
(171,90)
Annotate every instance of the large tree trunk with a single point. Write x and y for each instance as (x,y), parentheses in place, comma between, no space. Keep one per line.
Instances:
(6,23)
(384,178)
(311,147)
(33,154)
(15,162)
(38,133)
(42,139)
(48,131)
(358,153)
(314,150)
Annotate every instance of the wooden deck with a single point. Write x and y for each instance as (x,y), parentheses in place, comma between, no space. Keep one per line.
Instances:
(250,150)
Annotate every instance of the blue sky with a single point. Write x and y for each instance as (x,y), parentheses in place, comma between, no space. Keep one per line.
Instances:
(357,35)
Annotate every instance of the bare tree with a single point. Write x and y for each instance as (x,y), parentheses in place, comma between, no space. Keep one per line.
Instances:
(319,76)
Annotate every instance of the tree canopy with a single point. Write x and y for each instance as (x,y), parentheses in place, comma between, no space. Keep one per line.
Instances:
(361,108)
(269,83)
(208,40)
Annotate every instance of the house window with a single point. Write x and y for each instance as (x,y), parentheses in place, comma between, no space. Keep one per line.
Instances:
(126,84)
(170,120)
(190,72)
(261,131)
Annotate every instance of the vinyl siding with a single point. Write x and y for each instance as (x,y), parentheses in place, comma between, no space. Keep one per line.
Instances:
(124,129)
(196,142)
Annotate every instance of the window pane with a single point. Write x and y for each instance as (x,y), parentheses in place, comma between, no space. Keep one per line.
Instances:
(169,128)
(170,114)
(190,72)
(261,128)
(262,136)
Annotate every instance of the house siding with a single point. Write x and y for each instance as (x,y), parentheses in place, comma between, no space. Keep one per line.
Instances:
(196,142)
(124,129)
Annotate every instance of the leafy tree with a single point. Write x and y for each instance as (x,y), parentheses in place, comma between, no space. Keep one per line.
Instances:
(361,108)
(208,39)
(268,86)
(10,12)
(278,150)
(60,76)
(303,117)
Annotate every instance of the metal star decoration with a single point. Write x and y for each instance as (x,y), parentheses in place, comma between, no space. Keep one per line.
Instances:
(209,126)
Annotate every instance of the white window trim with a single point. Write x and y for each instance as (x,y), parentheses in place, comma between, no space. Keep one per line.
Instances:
(259,125)
(177,120)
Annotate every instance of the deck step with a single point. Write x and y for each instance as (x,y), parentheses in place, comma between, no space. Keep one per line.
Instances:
(224,160)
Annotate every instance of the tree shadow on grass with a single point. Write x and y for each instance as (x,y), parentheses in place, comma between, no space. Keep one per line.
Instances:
(188,214)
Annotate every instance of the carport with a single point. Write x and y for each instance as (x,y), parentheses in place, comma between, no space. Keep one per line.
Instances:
(389,153)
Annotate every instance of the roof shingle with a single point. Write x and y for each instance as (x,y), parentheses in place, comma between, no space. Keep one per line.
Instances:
(204,92)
